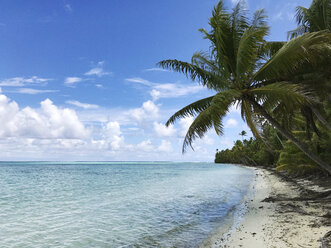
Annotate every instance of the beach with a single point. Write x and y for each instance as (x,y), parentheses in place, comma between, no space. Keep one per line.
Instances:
(284,223)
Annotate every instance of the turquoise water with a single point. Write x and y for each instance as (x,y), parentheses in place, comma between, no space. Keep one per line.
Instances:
(116,204)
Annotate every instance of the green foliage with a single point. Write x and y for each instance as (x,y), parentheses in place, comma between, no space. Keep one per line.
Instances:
(294,161)
(233,70)
(274,83)
(254,152)
(276,151)
(317,17)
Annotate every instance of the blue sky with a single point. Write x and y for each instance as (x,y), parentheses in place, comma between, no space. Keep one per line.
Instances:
(79,79)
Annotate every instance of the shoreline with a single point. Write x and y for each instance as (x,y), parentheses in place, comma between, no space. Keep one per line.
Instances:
(280,224)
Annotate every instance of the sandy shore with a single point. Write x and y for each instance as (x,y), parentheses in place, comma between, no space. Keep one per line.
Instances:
(280,224)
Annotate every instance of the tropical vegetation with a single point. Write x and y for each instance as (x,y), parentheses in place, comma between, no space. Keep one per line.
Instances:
(282,88)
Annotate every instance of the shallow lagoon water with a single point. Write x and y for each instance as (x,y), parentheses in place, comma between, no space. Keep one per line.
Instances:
(116,204)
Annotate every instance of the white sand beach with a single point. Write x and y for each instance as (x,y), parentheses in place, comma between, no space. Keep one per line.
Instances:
(279,224)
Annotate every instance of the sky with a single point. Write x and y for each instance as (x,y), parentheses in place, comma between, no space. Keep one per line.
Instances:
(79,80)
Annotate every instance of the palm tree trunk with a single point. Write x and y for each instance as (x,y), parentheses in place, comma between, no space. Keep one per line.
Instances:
(289,136)
(280,141)
(321,118)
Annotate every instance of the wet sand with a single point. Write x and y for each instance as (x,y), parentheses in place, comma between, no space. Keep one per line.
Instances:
(277,217)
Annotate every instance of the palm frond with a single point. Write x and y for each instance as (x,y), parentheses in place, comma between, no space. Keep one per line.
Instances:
(239,23)
(315,18)
(191,110)
(250,44)
(270,48)
(291,95)
(306,48)
(220,105)
(204,61)
(247,114)
(209,79)
(201,124)
(211,116)
(221,36)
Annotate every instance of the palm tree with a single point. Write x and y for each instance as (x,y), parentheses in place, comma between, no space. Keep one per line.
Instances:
(316,18)
(242,134)
(234,69)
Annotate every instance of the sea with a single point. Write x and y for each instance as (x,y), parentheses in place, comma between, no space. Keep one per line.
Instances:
(117,204)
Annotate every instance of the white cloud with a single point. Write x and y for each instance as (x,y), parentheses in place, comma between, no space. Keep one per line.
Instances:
(97,70)
(185,123)
(173,90)
(47,122)
(148,111)
(163,131)
(140,81)
(145,146)
(207,140)
(234,108)
(99,86)
(225,143)
(71,81)
(165,146)
(112,135)
(30,91)
(82,105)
(231,123)
(155,94)
(108,134)
(167,90)
(22,81)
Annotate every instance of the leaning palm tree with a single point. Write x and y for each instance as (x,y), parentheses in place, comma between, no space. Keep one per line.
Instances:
(236,71)
(313,19)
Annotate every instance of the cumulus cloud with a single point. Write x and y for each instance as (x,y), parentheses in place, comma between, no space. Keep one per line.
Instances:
(22,81)
(148,111)
(231,123)
(165,146)
(145,146)
(208,140)
(185,123)
(97,70)
(47,122)
(113,135)
(162,131)
(82,105)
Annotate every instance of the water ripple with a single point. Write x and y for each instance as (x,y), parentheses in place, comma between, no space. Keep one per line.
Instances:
(44,204)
